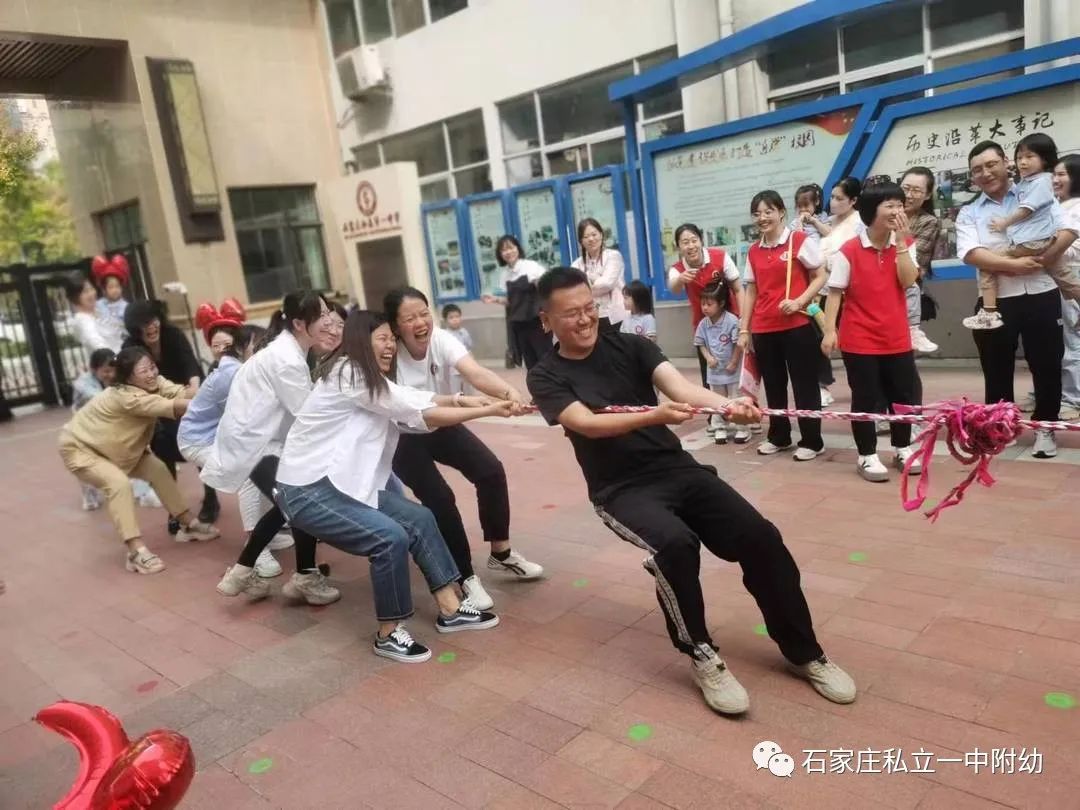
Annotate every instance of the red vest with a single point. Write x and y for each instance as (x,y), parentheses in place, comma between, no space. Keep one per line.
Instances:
(708,274)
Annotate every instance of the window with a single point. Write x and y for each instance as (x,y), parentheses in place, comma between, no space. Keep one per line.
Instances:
(956,21)
(425,146)
(907,41)
(121,227)
(444,8)
(473,181)
(341,20)
(366,156)
(574,127)
(467,141)
(864,43)
(435,191)
(945,62)
(408,16)
(375,15)
(580,107)
(890,77)
(280,239)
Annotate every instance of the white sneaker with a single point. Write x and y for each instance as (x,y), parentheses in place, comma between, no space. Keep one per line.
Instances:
(827,399)
(984,319)
(1045,444)
(197,531)
(902,456)
(312,588)
(240,579)
(475,593)
(756,427)
(722,692)
(871,468)
(266,566)
(710,428)
(282,540)
(828,680)
(742,434)
(517,565)
(767,448)
(806,454)
(91,501)
(920,342)
(1028,405)
(720,435)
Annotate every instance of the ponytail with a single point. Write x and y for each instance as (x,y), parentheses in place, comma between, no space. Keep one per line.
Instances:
(275,328)
(301,305)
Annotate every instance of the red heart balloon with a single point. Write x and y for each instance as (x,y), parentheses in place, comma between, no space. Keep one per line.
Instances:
(152,773)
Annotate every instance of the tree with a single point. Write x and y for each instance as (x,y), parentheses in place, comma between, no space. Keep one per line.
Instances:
(35,218)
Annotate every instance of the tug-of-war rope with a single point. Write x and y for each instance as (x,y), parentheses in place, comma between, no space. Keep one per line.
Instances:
(974,434)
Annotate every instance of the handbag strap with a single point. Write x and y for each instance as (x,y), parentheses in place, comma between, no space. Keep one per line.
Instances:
(790,242)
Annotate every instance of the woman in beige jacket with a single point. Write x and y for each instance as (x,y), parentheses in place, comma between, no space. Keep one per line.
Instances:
(107,443)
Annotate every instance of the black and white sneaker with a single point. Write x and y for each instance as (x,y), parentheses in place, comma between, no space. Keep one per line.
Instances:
(400,646)
(466,617)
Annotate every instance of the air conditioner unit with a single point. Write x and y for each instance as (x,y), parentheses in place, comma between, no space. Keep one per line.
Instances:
(361,73)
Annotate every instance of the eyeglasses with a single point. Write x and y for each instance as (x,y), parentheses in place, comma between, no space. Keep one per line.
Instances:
(575,315)
(913,191)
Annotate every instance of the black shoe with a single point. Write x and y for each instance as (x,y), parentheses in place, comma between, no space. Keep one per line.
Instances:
(324,569)
(174,526)
(400,646)
(210,511)
(466,618)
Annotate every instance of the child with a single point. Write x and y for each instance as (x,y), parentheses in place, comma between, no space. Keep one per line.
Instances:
(111,278)
(1030,228)
(716,337)
(638,300)
(811,218)
(451,315)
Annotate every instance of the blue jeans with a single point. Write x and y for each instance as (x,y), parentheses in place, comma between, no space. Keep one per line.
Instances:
(386,536)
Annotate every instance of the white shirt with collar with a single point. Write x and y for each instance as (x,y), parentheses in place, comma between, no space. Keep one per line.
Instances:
(973,231)
(523,267)
(809,254)
(343,434)
(267,393)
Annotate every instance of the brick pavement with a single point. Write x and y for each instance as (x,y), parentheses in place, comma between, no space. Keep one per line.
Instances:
(955,634)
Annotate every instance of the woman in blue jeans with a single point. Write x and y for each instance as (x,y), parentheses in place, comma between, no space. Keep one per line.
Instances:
(333,480)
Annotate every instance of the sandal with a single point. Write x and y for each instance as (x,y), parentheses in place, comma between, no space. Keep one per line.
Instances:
(144,561)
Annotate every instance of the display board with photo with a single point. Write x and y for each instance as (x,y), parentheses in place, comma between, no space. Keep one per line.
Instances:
(486,225)
(539,220)
(445,241)
(596,198)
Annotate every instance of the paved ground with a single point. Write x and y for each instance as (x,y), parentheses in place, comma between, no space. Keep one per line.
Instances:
(956,634)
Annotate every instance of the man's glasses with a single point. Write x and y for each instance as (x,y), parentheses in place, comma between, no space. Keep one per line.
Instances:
(575,315)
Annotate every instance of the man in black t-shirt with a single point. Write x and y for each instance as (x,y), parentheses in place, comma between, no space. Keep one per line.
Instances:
(652,493)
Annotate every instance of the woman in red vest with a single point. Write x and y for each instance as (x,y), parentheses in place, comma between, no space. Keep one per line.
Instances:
(700,267)
(784,272)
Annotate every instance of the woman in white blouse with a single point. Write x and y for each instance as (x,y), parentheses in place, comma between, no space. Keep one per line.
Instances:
(85,324)
(266,394)
(332,480)
(604,268)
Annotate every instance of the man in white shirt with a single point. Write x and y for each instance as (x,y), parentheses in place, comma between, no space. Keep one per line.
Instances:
(1028,299)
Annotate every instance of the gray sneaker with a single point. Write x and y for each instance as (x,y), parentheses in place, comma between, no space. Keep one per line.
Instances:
(196,531)
(312,588)
(1045,444)
(722,692)
(241,579)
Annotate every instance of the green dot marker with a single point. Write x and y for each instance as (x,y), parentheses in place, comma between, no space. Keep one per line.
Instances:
(761,630)
(261,765)
(1060,700)
(639,732)
(580,583)
(857,556)
(447,658)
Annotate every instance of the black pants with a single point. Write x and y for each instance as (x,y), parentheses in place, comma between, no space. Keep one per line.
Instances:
(264,476)
(875,379)
(671,517)
(532,341)
(456,447)
(825,372)
(794,354)
(1036,320)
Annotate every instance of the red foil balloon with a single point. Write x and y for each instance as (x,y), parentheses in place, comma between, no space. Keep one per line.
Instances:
(152,773)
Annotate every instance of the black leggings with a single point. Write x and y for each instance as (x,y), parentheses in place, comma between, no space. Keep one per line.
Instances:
(264,477)
(794,354)
(456,447)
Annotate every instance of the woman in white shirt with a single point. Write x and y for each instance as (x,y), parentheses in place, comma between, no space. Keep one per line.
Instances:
(85,324)
(333,477)
(604,268)
(1067,190)
(266,394)
(521,301)
(425,357)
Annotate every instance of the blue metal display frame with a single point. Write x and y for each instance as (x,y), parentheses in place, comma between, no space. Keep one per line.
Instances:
(458,207)
(854,151)
(615,172)
(560,213)
(503,196)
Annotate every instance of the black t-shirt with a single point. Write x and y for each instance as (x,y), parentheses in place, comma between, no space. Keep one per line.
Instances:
(522,303)
(618,372)
(177,363)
